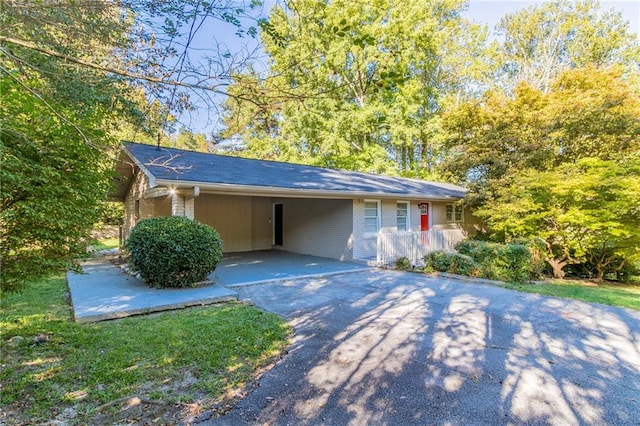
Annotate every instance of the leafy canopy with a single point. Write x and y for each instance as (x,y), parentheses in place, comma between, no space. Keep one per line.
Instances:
(576,208)
(72,77)
(355,86)
(55,118)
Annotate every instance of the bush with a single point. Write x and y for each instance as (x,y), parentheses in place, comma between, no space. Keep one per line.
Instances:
(173,251)
(436,261)
(462,264)
(538,249)
(504,262)
(454,263)
(403,263)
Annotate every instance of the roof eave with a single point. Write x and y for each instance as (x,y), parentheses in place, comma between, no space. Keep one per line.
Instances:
(141,166)
(251,190)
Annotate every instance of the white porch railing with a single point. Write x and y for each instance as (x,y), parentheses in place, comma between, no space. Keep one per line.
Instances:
(415,245)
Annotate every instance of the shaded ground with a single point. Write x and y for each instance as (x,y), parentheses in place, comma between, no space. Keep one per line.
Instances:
(398,348)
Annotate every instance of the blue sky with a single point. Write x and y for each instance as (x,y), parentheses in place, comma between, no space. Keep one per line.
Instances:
(490,11)
(486,12)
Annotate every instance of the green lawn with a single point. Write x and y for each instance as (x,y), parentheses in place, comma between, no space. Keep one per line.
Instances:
(624,295)
(107,243)
(50,363)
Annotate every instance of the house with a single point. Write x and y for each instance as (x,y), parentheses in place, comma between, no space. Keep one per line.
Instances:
(258,204)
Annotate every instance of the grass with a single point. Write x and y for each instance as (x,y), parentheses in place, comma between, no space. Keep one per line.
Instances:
(623,295)
(50,363)
(107,243)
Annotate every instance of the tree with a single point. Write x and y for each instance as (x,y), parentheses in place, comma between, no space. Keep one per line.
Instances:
(55,118)
(588,209)
(586,113)
(544,40)
(355,86)
(71,75)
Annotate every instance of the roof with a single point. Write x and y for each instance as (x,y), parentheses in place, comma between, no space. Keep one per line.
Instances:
(179,168)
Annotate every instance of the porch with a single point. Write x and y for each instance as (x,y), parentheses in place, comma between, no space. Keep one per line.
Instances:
(384,248)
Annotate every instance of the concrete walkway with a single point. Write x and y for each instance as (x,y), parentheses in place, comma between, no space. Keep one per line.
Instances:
(105,292)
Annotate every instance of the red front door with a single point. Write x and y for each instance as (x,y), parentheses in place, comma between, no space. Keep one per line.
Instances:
(424,216)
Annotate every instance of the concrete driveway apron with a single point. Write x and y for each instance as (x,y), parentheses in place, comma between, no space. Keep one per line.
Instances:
(394,348)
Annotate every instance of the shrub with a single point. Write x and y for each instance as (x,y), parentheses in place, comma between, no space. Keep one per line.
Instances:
(538,249)
(111,213)
(517,258)
(454,263)
(504,262)
(173,251)
(436,261)
(403,263)
(462,264)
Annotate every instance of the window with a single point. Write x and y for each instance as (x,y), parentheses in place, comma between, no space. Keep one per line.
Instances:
(454,213)
(371,216)
(402,216)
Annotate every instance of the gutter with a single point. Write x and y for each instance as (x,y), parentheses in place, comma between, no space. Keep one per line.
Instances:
(271,191)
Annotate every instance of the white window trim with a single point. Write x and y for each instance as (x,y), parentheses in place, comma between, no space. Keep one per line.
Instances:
(453,216)
(408,215)
(378,213)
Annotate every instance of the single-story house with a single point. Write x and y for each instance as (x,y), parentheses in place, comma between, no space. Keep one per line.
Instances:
(259,204)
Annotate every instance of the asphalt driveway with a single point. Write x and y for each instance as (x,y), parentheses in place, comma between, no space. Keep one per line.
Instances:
(394,348)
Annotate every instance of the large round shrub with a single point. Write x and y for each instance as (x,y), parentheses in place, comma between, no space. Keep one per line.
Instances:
(173,251)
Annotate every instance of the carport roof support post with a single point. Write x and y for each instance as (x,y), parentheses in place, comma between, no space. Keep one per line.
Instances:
(182,202)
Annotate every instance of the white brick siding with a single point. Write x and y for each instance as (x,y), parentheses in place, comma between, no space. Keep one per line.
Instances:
(318,227)
(137,208)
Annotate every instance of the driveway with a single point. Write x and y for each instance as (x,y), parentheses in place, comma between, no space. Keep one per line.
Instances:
(394,348)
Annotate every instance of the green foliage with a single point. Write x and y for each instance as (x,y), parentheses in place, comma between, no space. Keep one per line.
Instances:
(55,147)
(546,39)
(454,263)
(587,113)
(538,250)
(111,213)
(52,184)
(403,263)
(503,262)
(218,349)
(173,251)
(604,263)
(579,210)
(356,86)
(436,260)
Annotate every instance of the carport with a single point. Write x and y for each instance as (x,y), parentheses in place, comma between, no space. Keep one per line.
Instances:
(256,267)
(104,291)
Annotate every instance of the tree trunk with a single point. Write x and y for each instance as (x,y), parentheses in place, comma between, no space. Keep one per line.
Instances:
(557,266)
(600,267)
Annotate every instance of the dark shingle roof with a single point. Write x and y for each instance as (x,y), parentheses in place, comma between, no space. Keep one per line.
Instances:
(187,166)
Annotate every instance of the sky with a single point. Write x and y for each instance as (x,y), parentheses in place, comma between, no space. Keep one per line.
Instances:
(490,11)
(486,12)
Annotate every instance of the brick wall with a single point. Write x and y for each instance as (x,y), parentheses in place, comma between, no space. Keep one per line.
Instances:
(318,227)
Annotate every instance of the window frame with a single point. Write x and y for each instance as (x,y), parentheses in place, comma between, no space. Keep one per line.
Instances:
(455,208)
(377,217)
(407,224)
